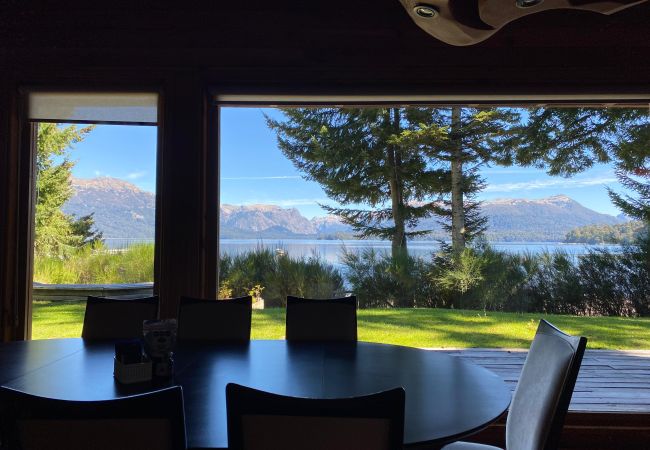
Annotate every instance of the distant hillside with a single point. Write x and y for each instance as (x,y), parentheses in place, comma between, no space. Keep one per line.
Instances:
(269,219)
(547,219)
(622,233)
(122,210)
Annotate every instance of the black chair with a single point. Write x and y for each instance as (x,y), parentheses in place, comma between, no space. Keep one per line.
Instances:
(215,320)
(112,318)
(543,394)
(321,320)
(259,420)
(153,421)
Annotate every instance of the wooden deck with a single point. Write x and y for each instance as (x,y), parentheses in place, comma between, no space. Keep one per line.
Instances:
(609,380)
(610,408)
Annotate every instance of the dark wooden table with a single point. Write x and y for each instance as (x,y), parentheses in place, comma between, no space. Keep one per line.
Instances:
(446,398)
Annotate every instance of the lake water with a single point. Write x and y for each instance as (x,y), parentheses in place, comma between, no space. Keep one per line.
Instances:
(332,250)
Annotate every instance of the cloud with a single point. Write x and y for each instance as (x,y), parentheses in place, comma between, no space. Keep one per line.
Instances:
(513,171)
(136,175)
(291,202)
(279,177)
(553,183)
(98,173)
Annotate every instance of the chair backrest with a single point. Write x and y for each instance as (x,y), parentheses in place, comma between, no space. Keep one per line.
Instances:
(321,320)
(543,394)
(154,421)
(259,420)
(215,320)
(109,318)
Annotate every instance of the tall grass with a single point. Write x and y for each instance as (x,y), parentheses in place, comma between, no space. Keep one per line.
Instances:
(97,265)
(278,275)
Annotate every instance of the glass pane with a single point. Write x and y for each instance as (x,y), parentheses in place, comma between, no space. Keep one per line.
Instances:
(500,214)
(94,221)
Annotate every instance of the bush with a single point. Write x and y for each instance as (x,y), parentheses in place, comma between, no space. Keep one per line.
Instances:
(381,281)
(553,285)
(481,278)
(279,275)
(618,283)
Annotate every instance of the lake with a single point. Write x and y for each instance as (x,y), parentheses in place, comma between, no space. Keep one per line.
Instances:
(331,250)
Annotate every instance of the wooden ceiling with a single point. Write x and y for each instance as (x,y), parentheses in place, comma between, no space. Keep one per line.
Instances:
(325,45)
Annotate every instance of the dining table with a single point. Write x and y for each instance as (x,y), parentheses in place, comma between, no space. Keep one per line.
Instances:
(447,398)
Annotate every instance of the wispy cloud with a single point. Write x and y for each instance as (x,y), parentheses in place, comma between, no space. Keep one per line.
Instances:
(279,177)
(291,202)
(556,183)
(97,173)
(512,171)
(136,175)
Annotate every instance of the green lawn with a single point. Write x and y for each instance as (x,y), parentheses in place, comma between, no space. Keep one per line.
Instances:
(412,327)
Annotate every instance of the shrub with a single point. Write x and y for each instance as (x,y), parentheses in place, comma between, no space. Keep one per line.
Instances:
(381,281)
(279,275)
(553,285)
(618,283)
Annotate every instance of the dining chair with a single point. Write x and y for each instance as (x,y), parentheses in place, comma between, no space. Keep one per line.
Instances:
(541,399)
(111,318)
(153,421)
(321,320)
(259,420)
(215,320)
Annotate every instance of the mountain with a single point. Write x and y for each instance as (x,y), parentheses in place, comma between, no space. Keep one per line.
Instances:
(547,219)
(122,210)
(268,219)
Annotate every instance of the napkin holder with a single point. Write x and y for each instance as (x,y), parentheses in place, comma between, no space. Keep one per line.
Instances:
(130,364)
(132,373)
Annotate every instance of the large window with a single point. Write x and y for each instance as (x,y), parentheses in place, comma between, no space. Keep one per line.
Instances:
(470,210)
(95,203)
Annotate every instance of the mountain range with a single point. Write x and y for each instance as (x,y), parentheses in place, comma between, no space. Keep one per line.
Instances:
(122,210)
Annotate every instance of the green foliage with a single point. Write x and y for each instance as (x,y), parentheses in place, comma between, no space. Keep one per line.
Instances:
(463,271)
(566,141)
(83,228)
(93,264)
(357,156)
(381,280)
(279,275)
(406,164)
(637,180)
(57,234)
(624,233)
(553,284)
(460,140)
(480,278)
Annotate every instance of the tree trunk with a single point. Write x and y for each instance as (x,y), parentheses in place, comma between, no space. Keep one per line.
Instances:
(398,243)
(457,202)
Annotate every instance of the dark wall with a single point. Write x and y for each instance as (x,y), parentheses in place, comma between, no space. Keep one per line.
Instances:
(319,44)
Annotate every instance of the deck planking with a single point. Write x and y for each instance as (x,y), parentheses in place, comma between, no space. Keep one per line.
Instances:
(609,380)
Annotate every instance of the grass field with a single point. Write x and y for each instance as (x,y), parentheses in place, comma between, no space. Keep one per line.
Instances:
(412,327)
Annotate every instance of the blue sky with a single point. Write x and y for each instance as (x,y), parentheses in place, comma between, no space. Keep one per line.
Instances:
(253,170)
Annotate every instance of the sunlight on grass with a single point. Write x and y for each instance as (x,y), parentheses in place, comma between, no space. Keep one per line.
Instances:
(439,328)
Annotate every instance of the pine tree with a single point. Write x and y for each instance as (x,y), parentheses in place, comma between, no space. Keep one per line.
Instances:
(57,233)
(359,157)
(461,140)
(633,171)
(637,207)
